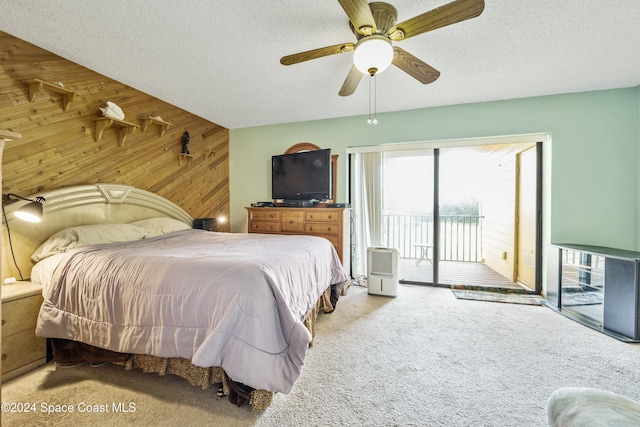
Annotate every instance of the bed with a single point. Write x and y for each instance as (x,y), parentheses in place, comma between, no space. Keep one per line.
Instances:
(125,279)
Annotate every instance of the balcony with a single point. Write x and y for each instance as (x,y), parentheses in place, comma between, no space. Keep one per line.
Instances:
(460,253)
(460,236)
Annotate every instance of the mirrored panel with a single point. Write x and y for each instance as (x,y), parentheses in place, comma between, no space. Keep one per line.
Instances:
(582,284)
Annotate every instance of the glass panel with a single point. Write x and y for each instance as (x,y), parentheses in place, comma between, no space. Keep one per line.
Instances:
(462,176)
(408,212)
(582,284)
(478,199)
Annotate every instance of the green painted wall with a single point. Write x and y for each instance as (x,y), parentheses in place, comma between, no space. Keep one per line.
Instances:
(590,167)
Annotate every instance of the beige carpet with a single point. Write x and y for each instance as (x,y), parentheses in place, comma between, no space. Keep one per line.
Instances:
(421,359)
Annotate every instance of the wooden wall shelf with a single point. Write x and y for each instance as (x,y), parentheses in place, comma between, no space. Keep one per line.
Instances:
(7,135)
(36,85)
(162,125)
(182,157)
(126,128)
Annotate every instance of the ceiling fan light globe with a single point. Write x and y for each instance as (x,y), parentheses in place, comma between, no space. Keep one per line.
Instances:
(373,52)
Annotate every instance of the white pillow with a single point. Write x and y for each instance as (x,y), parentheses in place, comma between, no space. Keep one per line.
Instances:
(85,235)
(160,226)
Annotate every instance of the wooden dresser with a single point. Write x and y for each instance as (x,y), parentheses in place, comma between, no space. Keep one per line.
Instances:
(22,350)
(331,223)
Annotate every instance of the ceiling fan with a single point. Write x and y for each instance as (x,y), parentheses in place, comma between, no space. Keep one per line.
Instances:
(374,25)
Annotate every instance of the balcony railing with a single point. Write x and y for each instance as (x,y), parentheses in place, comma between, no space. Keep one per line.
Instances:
(460,236)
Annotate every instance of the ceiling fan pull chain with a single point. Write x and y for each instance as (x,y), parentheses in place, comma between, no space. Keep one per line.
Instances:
(375,99)
(372,99)
(369,120)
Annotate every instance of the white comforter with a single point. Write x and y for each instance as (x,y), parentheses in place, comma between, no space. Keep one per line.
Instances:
(219,299)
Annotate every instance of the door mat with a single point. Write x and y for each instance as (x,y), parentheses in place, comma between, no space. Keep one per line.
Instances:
(582,298)
(508,296)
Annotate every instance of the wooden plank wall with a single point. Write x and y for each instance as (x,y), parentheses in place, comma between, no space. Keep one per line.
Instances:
(58,148)
(498,208)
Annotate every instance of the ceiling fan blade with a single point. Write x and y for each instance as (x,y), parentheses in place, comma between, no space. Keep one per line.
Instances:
(351,82)
(413,66)
(360,16)
(317,53)
(450,13)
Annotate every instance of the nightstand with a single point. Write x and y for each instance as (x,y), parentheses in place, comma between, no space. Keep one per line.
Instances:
(209,224)
(22,350)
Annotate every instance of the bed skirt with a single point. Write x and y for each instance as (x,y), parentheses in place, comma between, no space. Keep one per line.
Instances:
(68,352)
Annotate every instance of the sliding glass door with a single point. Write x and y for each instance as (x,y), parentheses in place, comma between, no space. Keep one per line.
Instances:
(408,211)
(452,212)
(462,182)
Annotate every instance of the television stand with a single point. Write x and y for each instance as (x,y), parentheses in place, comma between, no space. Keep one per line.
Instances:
(297,204)
(596,286)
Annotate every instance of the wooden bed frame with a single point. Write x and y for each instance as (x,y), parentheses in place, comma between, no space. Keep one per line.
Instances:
(116,203)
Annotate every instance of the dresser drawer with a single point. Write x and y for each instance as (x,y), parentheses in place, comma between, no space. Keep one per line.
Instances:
(265,227)
(293,222)
(265,215)
(321,228)
(20,315)
(322,216)
(21,349)
(331,223)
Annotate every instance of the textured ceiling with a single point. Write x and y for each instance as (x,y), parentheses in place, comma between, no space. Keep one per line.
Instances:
(220,59)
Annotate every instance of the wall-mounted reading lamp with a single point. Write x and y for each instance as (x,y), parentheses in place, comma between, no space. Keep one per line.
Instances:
(31,212)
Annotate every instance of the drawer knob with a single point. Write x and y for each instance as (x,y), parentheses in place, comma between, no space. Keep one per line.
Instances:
(290,221)
(330,217)
(3,322)
(4,356)
(329,229)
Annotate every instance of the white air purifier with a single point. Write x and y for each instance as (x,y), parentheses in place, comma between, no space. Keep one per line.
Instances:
(382,271)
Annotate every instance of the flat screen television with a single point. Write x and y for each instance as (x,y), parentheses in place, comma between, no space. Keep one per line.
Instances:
(301,176)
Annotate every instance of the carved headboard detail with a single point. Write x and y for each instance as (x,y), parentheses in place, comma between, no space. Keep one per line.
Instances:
(79,205)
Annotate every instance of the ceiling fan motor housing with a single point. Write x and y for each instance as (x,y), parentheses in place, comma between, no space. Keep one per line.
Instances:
(385,16)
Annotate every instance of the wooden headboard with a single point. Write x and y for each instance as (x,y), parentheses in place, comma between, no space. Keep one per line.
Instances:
(78,205)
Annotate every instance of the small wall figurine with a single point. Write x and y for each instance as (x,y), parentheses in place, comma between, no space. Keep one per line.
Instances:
(185,142)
